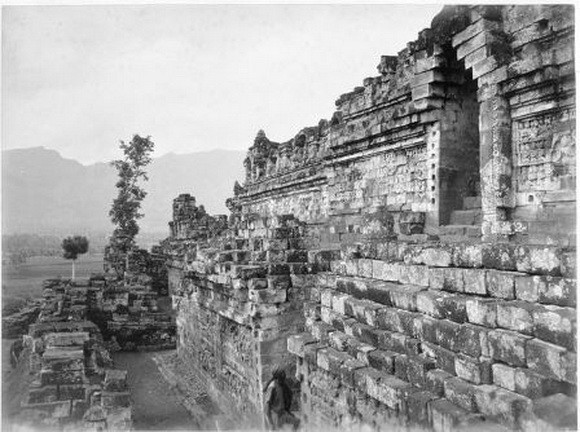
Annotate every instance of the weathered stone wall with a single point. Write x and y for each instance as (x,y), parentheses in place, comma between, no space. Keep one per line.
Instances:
(75,386)
(67,349)
(431,256)
(440,334)
(486,90)
(237,298)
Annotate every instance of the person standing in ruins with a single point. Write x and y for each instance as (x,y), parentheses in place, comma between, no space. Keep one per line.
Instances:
(278,402)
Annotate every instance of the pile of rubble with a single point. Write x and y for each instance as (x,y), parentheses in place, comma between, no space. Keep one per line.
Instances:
(67,350)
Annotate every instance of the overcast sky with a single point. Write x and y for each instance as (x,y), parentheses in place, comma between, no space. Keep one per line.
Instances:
(195,77)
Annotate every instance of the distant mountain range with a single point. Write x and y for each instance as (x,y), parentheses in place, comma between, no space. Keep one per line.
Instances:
(44,193)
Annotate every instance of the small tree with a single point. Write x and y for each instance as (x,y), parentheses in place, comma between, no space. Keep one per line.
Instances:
(126,207)
(73,247)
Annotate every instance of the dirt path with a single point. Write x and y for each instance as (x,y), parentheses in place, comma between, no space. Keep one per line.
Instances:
(15,384)
(156,405)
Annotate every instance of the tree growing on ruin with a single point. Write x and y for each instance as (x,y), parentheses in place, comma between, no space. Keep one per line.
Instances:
(72,248)
(126,208)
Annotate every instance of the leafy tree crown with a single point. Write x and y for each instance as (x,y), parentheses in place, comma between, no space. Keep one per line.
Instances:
(74,246)
(126,207)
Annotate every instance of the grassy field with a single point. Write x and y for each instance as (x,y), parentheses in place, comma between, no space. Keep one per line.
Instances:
(25,282)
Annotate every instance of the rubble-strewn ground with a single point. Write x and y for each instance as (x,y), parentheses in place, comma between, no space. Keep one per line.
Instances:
(156,403)
(15,384)
(192,392)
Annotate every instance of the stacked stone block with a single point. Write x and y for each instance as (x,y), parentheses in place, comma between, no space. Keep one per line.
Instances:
(237,299)
(437,208)
(73,370)
(468,330)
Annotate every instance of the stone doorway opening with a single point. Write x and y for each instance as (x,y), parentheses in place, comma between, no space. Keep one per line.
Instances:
(459,162)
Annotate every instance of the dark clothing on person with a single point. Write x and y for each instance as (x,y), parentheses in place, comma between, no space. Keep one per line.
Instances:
(279,402)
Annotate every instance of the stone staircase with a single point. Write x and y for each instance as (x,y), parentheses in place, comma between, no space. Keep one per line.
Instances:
(445,337)
(464,224)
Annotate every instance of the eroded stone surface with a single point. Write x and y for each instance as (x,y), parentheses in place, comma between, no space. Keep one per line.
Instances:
(421,242)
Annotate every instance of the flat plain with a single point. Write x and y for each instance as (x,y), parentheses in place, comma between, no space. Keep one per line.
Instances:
(25,281)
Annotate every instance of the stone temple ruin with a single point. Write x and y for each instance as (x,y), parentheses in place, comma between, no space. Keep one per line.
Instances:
(65,354)
(411,261)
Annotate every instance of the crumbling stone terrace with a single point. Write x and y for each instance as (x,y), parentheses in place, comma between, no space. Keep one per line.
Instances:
(75,385)
(412,259)
(67,349)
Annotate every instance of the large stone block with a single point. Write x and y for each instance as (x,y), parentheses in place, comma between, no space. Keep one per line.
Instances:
(113,400)
(454,308)
(546,359)
(527,288)
(467,255)
(387,271)
(556,325)
(444,358)
(558,291)
(363,310)
(348,369)
(446,332)
(499,256)
(445,416)
(326,297)
(544,260)
(330,359)
(473,340)
(115,380)
(436,257)
(473,370)
(417,368)
(427,329)
(460,393)
(389,319)
(508,347)
(405,296)
(389,390)
(507,407)
(61,377)
(401,367)
(351,267)
(501,284)
(43,394)
(338,302)
(415,275)
(267,296)
(338,340)
(432,303)
(482,311)
(296,343)
(570,371)
(516,315)
(504,376)
(411,323)
(435,381)
(68,339)
(393,341)
(311,350)
(418,407)
(320,330)
(360,350)
(383,361)
(474,281)
(453,280)
(436,278)
(365,268)
(535,385)
(568,264)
